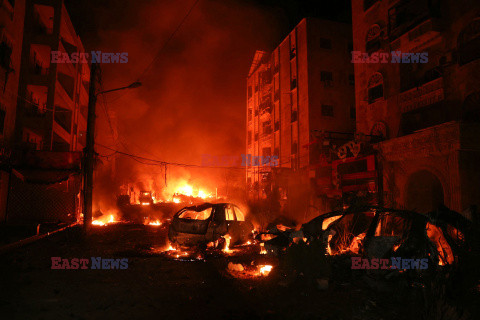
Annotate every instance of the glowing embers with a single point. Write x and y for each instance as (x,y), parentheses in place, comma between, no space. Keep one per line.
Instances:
(182,254)
(242,271)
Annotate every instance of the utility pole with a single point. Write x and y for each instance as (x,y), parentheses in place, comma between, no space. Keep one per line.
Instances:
(89,152)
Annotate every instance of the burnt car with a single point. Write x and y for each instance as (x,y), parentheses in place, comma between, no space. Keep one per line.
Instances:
(445,239)
(205,223)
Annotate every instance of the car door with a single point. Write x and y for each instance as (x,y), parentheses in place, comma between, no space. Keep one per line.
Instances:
(218,225)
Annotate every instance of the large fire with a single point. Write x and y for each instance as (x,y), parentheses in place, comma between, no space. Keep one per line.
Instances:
(186,193)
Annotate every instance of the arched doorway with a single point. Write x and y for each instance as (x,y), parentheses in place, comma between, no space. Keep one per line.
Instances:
(424,192)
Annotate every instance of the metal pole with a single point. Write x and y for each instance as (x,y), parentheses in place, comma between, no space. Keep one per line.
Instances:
(89,152)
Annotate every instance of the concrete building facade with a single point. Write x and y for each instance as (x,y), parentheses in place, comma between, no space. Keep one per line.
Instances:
(11,36)
(43,109)
(427,114)
(52,113)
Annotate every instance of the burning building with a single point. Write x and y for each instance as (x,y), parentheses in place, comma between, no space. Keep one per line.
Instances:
(302,88)
(425,114)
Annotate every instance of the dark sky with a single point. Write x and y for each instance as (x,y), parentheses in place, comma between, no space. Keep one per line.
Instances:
(192,101)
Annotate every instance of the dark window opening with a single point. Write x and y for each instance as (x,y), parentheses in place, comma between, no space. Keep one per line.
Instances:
(293,84)
(351,79)
(293,53)
(2,120)
(375,93)
(277,126)
(425,117)
(353,113)
(468,43)
(373,45)
(5,55)
(367,4)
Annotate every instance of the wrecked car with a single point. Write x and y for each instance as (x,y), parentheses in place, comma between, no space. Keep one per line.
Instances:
(207,223)
(444,237)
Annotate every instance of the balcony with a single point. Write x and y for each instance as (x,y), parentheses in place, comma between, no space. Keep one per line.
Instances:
(63,117)
(417,17)
(293,53)
(423,107)
(430,93)
(293,84)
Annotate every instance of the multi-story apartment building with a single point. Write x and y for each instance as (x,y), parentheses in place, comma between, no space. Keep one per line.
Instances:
(427,114)
(11,33)
(303,87)
(52,111)
(43,107)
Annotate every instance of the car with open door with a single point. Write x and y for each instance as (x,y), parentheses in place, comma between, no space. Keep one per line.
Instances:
(205,223)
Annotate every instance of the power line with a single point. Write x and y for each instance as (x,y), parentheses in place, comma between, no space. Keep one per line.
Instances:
(168,39)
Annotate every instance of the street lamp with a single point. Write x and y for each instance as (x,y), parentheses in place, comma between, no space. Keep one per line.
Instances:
(89,148)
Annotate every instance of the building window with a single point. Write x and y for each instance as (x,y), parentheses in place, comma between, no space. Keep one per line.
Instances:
(250,114)
(294,115)
(256,136)
(293,84)
(468,43)
(5,55)
(249,90)
(277,126)
(2,120)
(375,88)
(367,4)
(266,127)
(373,39)
(353,113)
(351,79)
(276,152)
(325,43)
(327,110)
(249,137)
(471,108)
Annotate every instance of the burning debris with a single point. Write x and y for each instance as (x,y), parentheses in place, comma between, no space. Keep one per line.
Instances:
(251,271)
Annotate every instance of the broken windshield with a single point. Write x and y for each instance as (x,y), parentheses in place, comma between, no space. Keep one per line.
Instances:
(196,215)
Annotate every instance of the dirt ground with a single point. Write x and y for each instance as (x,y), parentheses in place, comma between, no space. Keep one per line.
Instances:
(156,286)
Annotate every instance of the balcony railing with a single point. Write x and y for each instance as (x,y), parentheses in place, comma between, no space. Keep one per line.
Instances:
(425,95)
(408,14)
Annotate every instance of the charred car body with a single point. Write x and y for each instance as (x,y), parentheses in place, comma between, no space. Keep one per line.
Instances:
(446,239)
(205,223)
